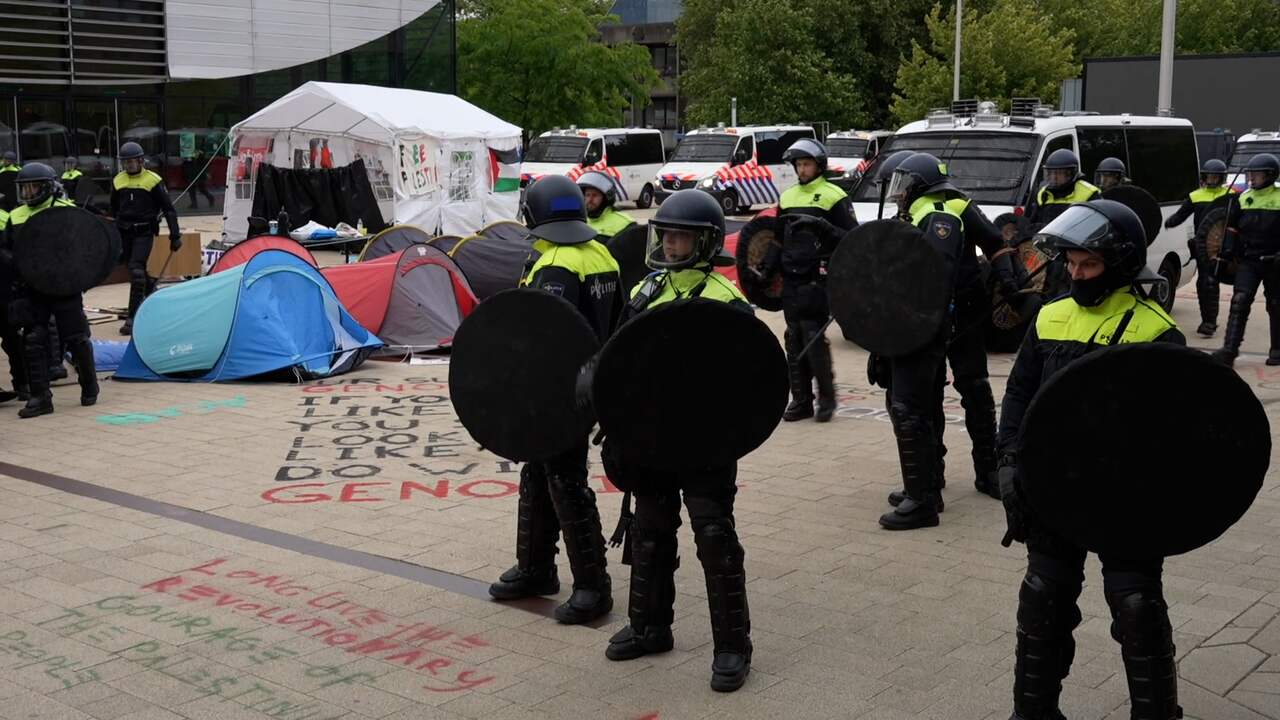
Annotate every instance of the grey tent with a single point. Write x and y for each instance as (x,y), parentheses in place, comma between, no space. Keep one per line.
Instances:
(446,242)
(413,299)
(494,259)
(394,238)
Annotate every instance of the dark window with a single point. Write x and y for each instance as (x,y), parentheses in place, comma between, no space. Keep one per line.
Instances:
(646,148)
(1162,161)
(770,146)
(790,137)
(1245,151)
(556,149)
(847,147)
(991,167)
(594,152)
(746,148)
(1097,144)
(705,148)
(618,150)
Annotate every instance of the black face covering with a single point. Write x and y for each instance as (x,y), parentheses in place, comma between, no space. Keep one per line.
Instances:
(1093,291)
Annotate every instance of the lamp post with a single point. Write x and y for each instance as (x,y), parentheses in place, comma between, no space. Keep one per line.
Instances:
(955,83)
(1164,104)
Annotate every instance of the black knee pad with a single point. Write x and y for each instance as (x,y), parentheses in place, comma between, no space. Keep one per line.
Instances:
(1140,620)
(718,546)
(971,389)
(1046,607)
(137,274)
(36,333)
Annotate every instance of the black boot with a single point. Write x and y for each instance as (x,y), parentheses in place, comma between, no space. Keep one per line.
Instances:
(800,375)
(1140,623)
(1273,316)
(35,352)
(980,421)
(1207,294)
(575,505)
(1237,319)
(57,371)
(8,396)
(1045,649)
(917,454)
(897,496)
(81,350)
(23,391)
(722,557)
(536,531)
(38,405)
(653,594)
(820,361)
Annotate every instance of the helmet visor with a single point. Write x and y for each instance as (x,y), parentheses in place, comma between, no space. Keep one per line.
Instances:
(674,247)
(33,192)
(900,186)
(133,166)
(1057,177)
(1080,227)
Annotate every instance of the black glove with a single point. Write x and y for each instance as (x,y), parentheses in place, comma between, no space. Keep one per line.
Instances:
(582,385)
(616,468)
(1169,224)
(175,241)
(1014,511)
(878,370)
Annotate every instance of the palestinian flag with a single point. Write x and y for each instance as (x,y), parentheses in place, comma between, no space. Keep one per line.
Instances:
(504,170)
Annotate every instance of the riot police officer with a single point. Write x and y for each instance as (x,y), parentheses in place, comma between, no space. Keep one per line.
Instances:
(554,496)
(1110,173)
(70,177)
(600,194)
(138,196)
(8,172)
(1253,238)
(37,188)
(1213,176)
(1105,248)
(1063,186)
(815,215)
(921,191)
(10,334)
(686,238)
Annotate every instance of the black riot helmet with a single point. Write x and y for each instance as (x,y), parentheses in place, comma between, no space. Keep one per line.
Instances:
(554,210)
(1264,163)
(70,162)
(690,215)
(36,183)
(1211,168)
(1109,173)
(601,183)
(1104,227)
(918,175)
(807,148)
(1061,170)
(131,156)
(9,157)
(884,173)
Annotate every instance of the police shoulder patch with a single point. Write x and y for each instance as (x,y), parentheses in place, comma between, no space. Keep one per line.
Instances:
(555,288)
(941,228)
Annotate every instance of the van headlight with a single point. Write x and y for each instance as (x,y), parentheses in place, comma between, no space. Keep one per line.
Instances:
(706,183)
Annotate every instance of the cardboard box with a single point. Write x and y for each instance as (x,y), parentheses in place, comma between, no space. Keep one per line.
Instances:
(186,262)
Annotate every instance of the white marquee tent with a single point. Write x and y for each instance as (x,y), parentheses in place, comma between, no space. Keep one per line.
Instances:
(432,159)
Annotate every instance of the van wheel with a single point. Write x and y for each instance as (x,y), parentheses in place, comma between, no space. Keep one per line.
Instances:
(645,199)
(1171,271)
(729,202)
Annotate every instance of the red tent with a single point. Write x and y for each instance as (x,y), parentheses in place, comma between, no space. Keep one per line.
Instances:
(413,299)
(245,249)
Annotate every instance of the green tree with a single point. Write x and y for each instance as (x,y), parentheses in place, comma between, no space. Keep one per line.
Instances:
(1011,50)
(540,63)
(1119,28)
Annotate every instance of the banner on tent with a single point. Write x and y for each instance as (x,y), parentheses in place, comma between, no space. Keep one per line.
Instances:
(419,174)
(250,153)
(462,176)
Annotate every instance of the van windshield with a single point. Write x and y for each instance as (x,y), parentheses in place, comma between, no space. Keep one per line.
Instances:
(847,147)
(1245,151)
(991,167)
(705,148)
(556,149)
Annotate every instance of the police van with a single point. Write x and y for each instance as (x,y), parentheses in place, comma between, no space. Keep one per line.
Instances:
(1254,142)
(849,152)
(996,159)
(630,156)
(740,166)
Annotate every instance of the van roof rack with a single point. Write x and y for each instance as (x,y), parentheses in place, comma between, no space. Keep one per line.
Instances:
(964,108)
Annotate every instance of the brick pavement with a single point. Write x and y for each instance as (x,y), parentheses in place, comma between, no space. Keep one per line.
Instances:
(109,612)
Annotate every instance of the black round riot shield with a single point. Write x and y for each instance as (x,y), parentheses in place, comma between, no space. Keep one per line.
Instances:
(889,287)
(690,383)
(1208,245)
(1143,450)
(1141,202)
(628,248)
(512,373)
(758,259)
(62,251)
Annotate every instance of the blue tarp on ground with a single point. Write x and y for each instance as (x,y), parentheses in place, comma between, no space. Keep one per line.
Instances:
(273,313)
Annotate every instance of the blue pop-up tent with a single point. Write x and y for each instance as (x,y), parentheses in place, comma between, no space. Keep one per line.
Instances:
(273,313)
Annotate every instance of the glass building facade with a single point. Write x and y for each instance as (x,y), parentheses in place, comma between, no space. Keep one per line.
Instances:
(183,125)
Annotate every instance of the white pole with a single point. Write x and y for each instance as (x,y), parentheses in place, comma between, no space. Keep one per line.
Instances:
(1164,105)
(733,112)
(955,83)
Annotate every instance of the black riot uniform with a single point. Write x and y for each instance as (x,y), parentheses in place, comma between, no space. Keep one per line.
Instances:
(708,491)
(138,197)
(1063,186)
(966,351)
(10,333)
(1101,311)
(815,215)
(1213,175)
(1253,239)
(33,311)
(554,496)
(921,191)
